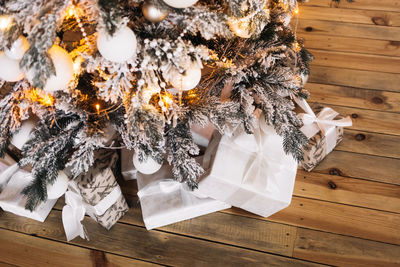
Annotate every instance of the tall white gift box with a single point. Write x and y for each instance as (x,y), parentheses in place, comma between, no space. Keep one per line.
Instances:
(12,199)
(251,172)
(165,201)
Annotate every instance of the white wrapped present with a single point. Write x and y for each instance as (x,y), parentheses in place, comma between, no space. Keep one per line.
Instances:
(12,199)
(202,135)
(165,201)
(251,172)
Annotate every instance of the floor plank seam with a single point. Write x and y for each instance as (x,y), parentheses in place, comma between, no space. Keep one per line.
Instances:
(78,245)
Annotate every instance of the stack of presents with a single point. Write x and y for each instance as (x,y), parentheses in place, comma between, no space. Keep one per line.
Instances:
(251,172)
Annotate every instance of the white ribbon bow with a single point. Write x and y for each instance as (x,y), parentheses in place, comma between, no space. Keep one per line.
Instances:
(75,208)
(7,174)
(324,122)
(264,165)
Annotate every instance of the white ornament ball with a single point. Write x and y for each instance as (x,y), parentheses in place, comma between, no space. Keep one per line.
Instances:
(149,166)
(22,136)
(119,47)
(153,13)
(180,3)
(59,187)
(18,48)
(187,80)
(239,28)
(64,67)
(9,69)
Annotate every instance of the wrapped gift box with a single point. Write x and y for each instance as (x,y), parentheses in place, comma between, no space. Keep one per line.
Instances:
(128,170)
(12,199)
(95,193)
(324,131)
(202,135)
(251,172)
(165,201)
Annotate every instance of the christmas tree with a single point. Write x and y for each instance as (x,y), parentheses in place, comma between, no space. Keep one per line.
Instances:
(146,70)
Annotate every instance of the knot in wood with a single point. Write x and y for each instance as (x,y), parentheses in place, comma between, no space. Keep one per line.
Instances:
(360,137)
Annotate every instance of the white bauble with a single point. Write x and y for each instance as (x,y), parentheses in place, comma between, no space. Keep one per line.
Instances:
(239,28)
(18,48)
(22,136)
(119,47)
(9,69)
(153,13)
(64,67)
(180,3)
(59,187)
(186,81)
(149,166)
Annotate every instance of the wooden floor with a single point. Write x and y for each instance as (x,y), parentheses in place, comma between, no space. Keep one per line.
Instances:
(346,212)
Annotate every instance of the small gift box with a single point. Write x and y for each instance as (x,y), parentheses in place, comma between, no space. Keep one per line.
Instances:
(324,131)
(12,199)
(202,135)
(251,172)
(128,170)
(165,201)
(95,193)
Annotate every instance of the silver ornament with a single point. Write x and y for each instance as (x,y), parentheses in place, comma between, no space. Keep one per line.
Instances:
(152,13)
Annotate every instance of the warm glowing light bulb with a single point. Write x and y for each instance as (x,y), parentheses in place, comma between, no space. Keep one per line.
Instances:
(98,108)
(71,12)
(296,11)
(5,22)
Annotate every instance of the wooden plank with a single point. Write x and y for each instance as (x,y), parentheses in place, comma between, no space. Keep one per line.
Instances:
(223,228)
(355,78)
(354,97)
(370,17)
(349,30)
(370,143)
(355,165)
(356,61)
(388,5)
(337,218)
(350,44)
(340,250)
(154,246)
(348,191)
(24,250)
(372,121)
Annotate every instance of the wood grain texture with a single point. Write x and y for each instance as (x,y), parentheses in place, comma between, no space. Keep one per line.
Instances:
(358,16)
(350,44)
(370,143)
(354,97)
(332,28)
(343,250)
(388,5)
(355,78)
(153,246)
(356,61)
(24,250)
(337,218)
(369,167)
(349,191)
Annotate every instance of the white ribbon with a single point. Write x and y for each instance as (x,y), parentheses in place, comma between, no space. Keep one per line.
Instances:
(324,122)
(264,165)
(75,208)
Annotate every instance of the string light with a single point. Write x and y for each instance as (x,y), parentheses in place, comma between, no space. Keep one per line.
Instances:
(296,11)
(77,65)
(5,22)
(98,108)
